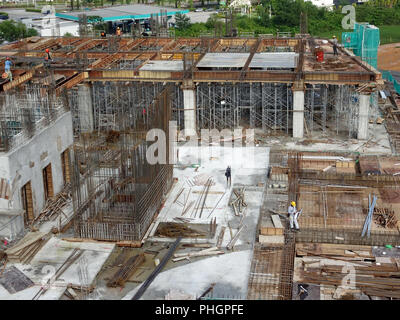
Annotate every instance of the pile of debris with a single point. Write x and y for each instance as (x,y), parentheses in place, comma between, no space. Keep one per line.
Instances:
(126,270)
(238,204)
(54,206)
(27,247)
(385,217)
(175,230)
(327,264)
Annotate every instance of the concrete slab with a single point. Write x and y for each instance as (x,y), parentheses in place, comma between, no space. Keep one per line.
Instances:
(50,258)
(230,272)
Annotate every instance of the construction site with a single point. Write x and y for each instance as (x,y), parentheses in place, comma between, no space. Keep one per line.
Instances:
(86,215)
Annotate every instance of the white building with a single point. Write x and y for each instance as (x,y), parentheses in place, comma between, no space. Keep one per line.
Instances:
(51,26)
(323,3)
(34,158)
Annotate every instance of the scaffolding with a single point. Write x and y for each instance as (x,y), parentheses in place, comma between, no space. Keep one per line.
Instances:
(26,111)
(116,191)
(115,105)
(330,109)
(255,105)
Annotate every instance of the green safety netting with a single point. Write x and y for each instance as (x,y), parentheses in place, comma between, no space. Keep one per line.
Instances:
(364,41)
(388,76)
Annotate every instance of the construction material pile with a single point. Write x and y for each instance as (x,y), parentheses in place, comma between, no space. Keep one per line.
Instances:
(385,217)
(206,252)
(54,207)
(238,204)
(328,264)
(27,247)
(126,270)
(174,230)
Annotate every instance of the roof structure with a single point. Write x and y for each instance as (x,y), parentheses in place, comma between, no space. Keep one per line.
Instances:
(223,60)
(275,60)
(159,65)
(135,12)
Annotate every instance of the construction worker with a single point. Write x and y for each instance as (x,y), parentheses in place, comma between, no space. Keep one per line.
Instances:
(7,68)
(228,175)
(47,57)
(334,40)
(103,34)
(293,215)
(118,32)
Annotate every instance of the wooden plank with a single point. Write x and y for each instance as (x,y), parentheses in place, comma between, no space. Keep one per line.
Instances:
(277,221)
(278,239)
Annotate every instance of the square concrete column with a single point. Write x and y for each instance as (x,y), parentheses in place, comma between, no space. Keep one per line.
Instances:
(85,108)
(189,104)
(298,114)
(363,115)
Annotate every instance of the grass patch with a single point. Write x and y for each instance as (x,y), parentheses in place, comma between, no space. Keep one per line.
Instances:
(33,10)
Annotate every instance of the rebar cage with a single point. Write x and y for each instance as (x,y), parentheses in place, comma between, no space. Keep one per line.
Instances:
(116,191)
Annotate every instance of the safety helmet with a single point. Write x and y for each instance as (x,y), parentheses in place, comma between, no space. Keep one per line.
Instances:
(117,28)
(334,36)
(47,50)
(293,203)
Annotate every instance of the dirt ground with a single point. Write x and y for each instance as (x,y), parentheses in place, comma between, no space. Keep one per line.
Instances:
(389,57)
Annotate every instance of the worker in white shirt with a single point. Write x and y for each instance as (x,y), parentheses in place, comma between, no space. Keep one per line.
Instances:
(335,42)
(293,214)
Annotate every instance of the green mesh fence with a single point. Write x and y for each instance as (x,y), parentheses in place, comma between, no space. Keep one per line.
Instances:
(388,76)
(364,41)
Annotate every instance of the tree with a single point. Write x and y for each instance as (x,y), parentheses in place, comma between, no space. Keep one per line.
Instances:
(11,31)
(182,21)
(97,22)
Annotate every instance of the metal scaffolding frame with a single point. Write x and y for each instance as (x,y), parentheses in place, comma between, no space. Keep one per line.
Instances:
(265,105)
(331,107)
(116,105)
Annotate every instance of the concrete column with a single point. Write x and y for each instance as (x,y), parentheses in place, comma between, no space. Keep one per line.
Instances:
(85,108)
(363,117)
(298,114)
(189,104)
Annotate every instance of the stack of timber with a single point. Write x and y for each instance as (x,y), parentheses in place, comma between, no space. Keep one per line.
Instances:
(238,204)
(27,247)
(346,167)
(271,230)
(175,230)
(126,271)
(328,264)
(206,252)
(385,217)
(54,207)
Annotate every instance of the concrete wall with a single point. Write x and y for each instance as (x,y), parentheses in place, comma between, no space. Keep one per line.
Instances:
(26,163)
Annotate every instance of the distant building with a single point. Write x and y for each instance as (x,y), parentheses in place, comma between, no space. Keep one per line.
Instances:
(323,3)
(50,26)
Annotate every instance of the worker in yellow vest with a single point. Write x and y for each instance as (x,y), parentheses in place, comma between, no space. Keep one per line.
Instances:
(118,32)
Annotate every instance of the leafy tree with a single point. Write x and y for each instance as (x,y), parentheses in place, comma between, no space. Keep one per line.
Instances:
(11,31)
(182,21)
